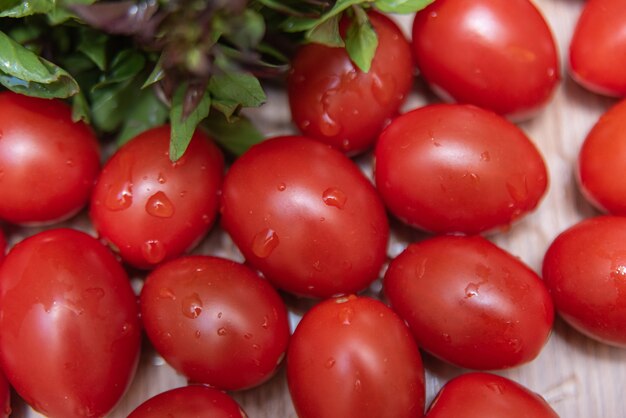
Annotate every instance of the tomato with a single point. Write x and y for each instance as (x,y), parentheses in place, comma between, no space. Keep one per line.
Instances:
(151,209)
(584,269)
(481,395)
(469,302)
(189,402)
(335,102)
(596,51)
(5,397)
(48,163)
(69,325)
(353,357)
(215,321)
(497,54)
(458,168)
(3,245)
(303,214)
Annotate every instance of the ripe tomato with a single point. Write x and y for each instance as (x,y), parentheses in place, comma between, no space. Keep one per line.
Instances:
(469,302)
(151,209)
(481,395)
(215,321)
(48,163)
(303,214)
(585,271)
(335,102)
(69,326)
(353,357)
(458,168)
(497,54)
(190,402)
(596,52)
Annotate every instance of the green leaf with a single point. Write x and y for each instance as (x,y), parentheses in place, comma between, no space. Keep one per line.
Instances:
(61,12)
(227,107)
(299,24)
(361,41)
(109,106)
(279,6)
(401,6)
(80,108)
(12,8)
(241,88)
(327,33)
(156,75)
(236,135)
(182,128)
(93,44)
(146,112)
(125,65)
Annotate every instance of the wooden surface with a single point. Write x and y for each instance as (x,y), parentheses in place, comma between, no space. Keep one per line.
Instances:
(579,377)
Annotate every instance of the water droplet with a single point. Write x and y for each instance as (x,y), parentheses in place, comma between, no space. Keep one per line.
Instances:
(160,205)
(219,315)
(357,385)
(221,331)
(265,322)
(317,265)
(183,193)
(328,126)
(70,163)
(345,144)
(484,156)
(517,187)
(496,387)
(153,251)
(346,315)
(471,290)
(198,334)
(165,293)
(126,329)
(305,124)
(94,292)
(446,337)
(264,243)
(281,187)
(192,306)
(120,196)
(161,179)
(433,15)
(383,88)
(334,197)
(247,336)
(420,269)
(256,346)
(330,363)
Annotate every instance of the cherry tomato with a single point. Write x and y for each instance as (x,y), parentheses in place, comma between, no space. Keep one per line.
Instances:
(48,164)
(151,209)
(481,395)
(303,214)
(458,168)
(596,52)
(497,54)
(69,324)
(5,397)
(190,402)
(469,302)
(335,102)
(353,357)
(215,321)
(585,271)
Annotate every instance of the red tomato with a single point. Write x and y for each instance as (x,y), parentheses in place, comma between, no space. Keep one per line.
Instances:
(481,395)
(601,161)
(151,209)
(469,302)
(353,357)
(303,214)
(458,168)
(189,402)
(335,102)
(5,397)
(585,271)
(69,326)
(497,54)
(215,321)
(597,52)
(48,163)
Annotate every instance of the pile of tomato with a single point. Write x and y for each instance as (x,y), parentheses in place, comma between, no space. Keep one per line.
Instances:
(310,223)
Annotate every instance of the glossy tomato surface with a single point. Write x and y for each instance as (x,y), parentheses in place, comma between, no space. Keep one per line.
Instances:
(458,168)
(482,395)
(354,357)
(215,321)
(497,54)
(303,214)
(585,271)
(48,164)
(151,209)
(469,302)
(596,51)
(335,102)
(69,327)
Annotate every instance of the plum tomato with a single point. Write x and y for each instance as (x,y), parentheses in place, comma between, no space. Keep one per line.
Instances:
(585,271)
(450,168)
(215,321)
(305,215)
(151,209)
(470,303)
(333,101)
(190,402)
(481,395)
(48,163)
(596,50)
(496,54)
(601,161)
(69,324)
(354,357)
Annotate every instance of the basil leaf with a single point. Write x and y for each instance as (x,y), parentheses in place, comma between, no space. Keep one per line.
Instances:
(401,6)
(93,45)
(241,88)
(80,108)
(125,65)
(12,8)
(156,75)
(361,41)
(327,33)
(146,112)
(299,24)
(227,107)
(182,128)
(236,135)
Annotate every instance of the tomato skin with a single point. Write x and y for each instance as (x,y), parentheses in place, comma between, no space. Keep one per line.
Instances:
(505,57)
(353,357)
(63,292)
(469,302)
(215,321)
(333,101)
(48,164)
(480,395)
(304,215)
(190,402)
(594,60)
(458,168)
(150,209)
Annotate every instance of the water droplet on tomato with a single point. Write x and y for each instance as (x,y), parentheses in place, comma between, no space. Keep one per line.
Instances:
(219,315)
(161,179)
(471,290)
(346,315)
(264,243)
(192,306)
(256,346)
(119,196)
(517,186)
(70,163)
(247,336)
(383,88)
(496,387)
(304,125)
(198,334)
(160,206)
(334,197)
(357,385)
(446,337)
(165,293)
(153,251)
(221,331)
(330,363)
(281,187)
(94,292)
(328,126)
(345,144)
(485,156)
(265,322)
